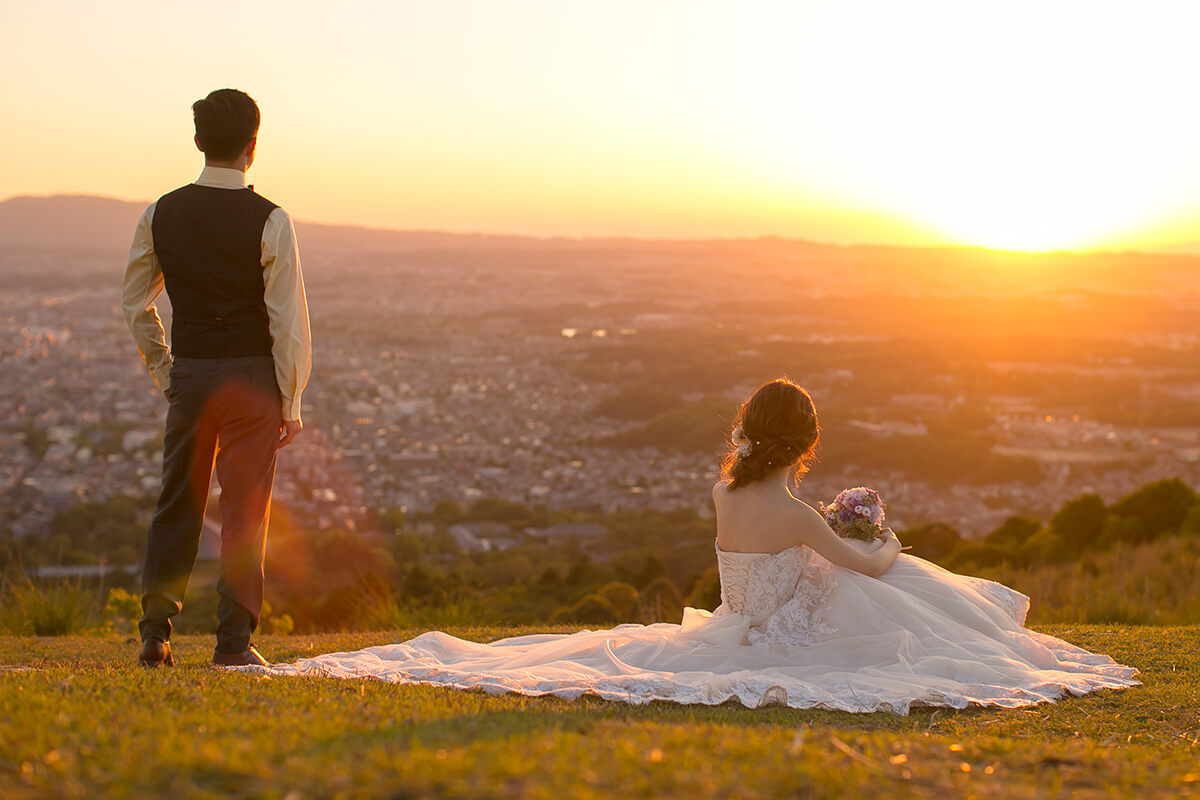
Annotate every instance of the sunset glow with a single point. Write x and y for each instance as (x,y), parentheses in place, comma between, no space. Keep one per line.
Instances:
(1018,125)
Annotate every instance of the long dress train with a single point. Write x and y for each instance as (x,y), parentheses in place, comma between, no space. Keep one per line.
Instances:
(791,629)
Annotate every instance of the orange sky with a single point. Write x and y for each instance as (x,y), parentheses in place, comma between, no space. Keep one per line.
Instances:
(1036,125)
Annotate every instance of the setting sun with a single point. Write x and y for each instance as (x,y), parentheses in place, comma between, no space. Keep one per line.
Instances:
(1023,126)
(1029,126)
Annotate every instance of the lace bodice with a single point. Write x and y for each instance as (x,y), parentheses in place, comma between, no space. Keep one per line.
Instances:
(755,584)
(782,594)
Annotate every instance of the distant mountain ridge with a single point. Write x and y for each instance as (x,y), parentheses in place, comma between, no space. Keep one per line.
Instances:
(93,222)
(68,220)
(105,225)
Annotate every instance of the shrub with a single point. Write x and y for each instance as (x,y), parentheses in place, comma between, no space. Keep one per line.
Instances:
(585,572)
(660,601)
(1080,522)
(52,608)
(1045,546)
(706,592)
(1161,506)
(970,556)
(1191,522)
(318,577)
(1013,533)
(622,596)
(122,610)
(932,542)
(199,614)
(382,609)
(591,609)
(1117,530)
(651,570)
(1157,582)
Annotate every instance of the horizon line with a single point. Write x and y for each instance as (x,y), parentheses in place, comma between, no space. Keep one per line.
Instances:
(1181,249)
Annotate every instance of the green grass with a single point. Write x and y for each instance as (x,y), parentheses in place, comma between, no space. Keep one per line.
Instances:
(79,719)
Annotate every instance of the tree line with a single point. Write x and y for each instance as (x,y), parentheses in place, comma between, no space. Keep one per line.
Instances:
(409,570)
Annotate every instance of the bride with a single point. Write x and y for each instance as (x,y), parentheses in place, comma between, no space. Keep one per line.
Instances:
(807,619)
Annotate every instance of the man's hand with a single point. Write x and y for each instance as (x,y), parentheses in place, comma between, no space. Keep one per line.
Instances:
(288,432)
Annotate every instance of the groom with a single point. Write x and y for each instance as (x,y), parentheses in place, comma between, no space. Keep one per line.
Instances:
(239,358)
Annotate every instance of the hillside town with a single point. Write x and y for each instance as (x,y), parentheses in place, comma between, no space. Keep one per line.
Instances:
(456,385)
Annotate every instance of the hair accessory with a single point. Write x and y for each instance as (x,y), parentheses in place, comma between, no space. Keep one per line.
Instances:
(743,443)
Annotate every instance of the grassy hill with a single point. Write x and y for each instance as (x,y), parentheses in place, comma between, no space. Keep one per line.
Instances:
(78,719)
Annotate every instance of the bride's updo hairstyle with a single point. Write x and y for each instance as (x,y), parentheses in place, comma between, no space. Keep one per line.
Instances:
(777,427)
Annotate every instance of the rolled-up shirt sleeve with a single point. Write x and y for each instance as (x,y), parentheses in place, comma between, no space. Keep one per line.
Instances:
(287,308)
(142,286)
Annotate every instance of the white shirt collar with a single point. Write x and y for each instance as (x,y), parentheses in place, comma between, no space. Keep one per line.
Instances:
(222,178)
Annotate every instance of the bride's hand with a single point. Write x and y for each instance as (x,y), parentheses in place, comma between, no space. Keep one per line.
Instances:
(890,536)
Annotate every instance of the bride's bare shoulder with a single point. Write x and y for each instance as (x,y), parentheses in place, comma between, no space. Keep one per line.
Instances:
(806,513)
(803,507)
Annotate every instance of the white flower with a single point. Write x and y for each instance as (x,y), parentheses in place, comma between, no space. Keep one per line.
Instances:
(742,441)
(860,510)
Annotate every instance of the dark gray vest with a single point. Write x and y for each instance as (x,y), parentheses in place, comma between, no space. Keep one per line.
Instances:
(209,243)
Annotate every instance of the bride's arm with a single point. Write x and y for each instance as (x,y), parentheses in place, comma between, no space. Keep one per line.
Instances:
(816,533)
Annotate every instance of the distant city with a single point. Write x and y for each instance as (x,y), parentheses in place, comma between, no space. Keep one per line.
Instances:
(603,375)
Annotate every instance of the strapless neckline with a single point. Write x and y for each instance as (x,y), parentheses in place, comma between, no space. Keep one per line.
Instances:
(723,552)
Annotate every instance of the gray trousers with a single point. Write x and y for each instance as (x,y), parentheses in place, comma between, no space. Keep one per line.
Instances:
(225,410)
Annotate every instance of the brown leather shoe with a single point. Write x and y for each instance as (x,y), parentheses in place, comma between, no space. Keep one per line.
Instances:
(156,653)
(247,658)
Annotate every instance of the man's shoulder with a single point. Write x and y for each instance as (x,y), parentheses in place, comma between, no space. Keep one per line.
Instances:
(172,200)
(263,201)
(174,193)
(277,219)
(148,214)
(194,197)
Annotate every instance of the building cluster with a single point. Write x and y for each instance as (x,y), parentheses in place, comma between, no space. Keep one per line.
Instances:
(454,388)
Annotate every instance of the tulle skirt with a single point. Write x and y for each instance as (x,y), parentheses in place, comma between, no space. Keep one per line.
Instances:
(920,635)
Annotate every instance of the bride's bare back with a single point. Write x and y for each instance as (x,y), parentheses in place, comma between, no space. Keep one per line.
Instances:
(764,517)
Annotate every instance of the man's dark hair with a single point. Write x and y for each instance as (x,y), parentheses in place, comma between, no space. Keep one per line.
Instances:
(226,121)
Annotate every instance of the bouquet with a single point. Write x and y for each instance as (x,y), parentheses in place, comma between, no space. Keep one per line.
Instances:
(856,514)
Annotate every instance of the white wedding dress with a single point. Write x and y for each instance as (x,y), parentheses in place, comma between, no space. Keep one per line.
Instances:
(791,629)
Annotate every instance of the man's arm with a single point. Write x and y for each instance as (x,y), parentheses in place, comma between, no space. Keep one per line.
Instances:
(143,284)
(287,308)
